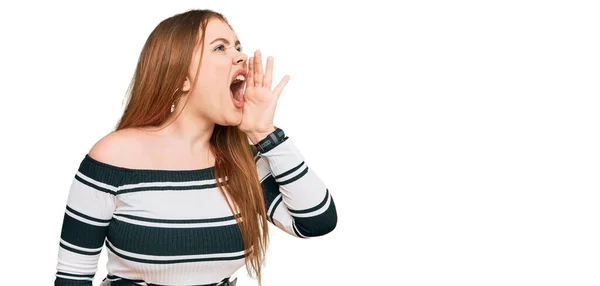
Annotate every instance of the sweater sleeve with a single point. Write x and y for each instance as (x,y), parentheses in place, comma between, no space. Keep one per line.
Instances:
(296,199)
(89,209)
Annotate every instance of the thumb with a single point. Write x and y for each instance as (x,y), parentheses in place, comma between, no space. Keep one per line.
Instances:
(279,88)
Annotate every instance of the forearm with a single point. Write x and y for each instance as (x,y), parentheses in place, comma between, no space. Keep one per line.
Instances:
(302,192)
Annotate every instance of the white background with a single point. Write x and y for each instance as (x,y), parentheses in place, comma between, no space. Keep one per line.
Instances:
(460,139)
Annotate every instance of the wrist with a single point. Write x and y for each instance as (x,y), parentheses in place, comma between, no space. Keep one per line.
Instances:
(256,137)
(271,140)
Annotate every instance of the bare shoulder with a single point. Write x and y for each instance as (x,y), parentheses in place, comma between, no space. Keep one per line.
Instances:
(117,148)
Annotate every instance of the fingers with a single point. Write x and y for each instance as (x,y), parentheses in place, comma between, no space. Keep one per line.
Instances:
(250,75)
(258,69)
(279,88)
(268,79)
(258,77)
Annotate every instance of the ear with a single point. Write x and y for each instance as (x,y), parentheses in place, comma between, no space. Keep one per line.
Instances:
(186,85)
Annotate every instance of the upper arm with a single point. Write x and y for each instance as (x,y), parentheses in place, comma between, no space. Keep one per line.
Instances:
(90,206)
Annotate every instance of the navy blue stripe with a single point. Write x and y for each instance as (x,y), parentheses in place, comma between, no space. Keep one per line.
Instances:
(110,276)
(289,171)
(149,261)
(177,221)
(121,281)
(317,207)
(82,234)
(296,232)
(80,251)
(104,190)
(87,216)
(71,282)
(294,178)
(270,190)
(100,172)
(168,188)
(75,275)
(128,176)
(318,225)
(275,207)
(162,241)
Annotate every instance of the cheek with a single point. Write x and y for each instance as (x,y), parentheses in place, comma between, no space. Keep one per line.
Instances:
(213,82)
(211,93)
(214,79)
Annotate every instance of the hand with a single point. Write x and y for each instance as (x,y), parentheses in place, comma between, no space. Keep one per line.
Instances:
(260,101)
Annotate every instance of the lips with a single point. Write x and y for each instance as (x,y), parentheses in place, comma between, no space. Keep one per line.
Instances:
(239,72)
(237,87)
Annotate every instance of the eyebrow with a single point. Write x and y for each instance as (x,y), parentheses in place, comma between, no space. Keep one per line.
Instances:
(224,40)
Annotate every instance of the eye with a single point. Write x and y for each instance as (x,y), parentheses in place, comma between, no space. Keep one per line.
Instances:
(221,47)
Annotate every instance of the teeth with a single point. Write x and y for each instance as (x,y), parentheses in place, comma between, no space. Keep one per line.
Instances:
(240,77)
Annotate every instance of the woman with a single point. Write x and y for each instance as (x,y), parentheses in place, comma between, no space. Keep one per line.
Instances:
(177,193)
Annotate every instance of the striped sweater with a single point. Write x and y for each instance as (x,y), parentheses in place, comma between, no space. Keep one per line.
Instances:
(173,227)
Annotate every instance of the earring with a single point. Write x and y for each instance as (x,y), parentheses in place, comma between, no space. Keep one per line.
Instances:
(173,105)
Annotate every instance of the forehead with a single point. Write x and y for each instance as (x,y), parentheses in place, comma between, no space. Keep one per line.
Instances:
(216,28)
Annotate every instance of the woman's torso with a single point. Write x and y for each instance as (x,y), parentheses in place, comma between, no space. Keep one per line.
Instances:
(171,225)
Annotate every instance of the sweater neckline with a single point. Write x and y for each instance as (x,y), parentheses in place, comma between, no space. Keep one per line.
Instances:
(207,172)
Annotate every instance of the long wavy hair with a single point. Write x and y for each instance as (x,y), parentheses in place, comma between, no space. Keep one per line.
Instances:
(160,72)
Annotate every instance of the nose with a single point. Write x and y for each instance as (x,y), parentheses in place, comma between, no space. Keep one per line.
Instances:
(240,58)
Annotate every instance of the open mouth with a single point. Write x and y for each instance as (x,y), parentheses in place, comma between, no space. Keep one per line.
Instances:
(237,87)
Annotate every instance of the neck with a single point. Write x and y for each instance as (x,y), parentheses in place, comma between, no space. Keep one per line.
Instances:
(189,131)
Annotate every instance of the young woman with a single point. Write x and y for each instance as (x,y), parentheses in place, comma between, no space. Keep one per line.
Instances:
(182,191)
